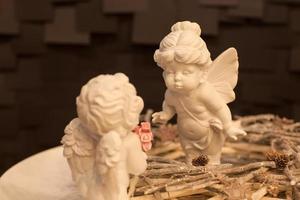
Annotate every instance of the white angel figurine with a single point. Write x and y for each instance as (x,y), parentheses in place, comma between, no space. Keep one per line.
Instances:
(198,91)
(99,145)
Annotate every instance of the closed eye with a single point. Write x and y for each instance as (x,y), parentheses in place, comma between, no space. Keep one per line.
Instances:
(185,72)
(170,72)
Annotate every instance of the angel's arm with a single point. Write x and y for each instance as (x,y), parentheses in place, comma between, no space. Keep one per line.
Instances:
(168,109)
(225,117)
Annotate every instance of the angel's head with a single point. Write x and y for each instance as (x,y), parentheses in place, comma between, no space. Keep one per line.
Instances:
(109,103)
(184,57)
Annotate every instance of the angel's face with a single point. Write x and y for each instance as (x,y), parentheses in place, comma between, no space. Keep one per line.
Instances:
(182,78)
(132,114)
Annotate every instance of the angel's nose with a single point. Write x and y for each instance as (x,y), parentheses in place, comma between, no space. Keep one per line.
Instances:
(177,77)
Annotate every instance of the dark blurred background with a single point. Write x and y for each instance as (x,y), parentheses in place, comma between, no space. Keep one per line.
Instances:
(50,48)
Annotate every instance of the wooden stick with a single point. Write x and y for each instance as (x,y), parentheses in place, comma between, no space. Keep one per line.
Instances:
(152,188)
(203,182)
(254,118)
(184,168)
(175,155)
(154,165)
(171,170)
(157,195)
(175,194)
(163,160)
(132,186)
(248,167)
(288,173)
(249,147)
(228,150)
(289,194)
(259,194)
(218,197)
(244,179)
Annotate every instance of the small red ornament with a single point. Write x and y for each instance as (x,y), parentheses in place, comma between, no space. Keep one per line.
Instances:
(145,134)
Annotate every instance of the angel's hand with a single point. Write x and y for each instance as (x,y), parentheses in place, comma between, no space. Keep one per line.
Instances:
(160,117)
(233,132)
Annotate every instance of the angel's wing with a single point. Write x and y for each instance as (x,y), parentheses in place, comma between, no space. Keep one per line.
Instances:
(223,74)
(79,149)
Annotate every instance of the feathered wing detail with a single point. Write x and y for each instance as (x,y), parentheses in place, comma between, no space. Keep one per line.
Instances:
(79,149)
(223,74)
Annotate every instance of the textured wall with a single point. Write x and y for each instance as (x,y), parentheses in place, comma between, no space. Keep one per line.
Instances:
(49,48)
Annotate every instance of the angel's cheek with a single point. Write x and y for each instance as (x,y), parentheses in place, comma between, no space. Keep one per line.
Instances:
(137,166)
(168,82)
(190,84)
(137,159)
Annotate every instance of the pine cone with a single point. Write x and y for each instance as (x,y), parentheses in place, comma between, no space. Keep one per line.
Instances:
(281,160)
(201,160)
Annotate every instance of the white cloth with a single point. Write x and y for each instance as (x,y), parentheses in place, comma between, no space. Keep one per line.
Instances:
(44,176)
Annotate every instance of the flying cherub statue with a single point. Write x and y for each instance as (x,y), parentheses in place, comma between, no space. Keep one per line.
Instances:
(99,145)
(198,91)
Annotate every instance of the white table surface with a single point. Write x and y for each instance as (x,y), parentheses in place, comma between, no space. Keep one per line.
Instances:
(43,176)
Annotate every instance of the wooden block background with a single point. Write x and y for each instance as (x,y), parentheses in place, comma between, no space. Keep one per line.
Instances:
(30,41)
(295,59)
(7,56)
(63,29)
(207,17)
(151,25)
(219,3)
(294,19)
(248,9)
(124,6)
(90,18)
(50,48)
(8,20)
(276,14)
(34,10)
